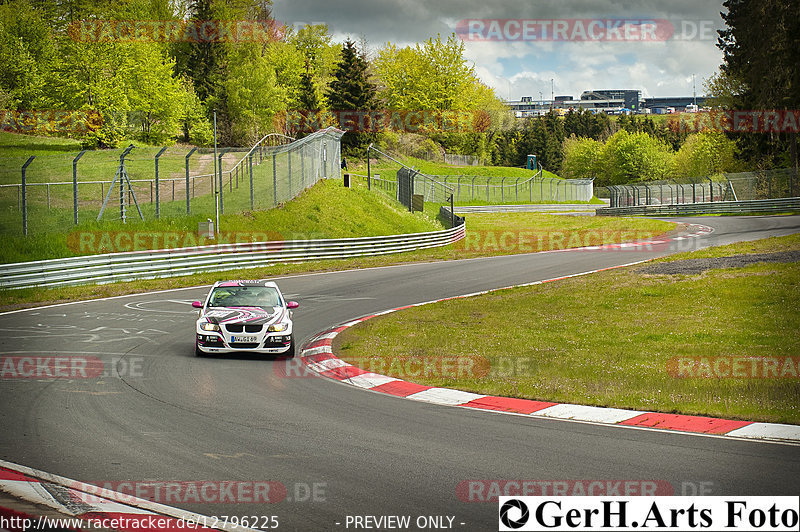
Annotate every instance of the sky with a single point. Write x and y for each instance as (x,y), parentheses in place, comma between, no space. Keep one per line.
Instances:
(516,52)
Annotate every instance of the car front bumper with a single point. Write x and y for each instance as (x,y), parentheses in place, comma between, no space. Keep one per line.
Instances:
(277,343)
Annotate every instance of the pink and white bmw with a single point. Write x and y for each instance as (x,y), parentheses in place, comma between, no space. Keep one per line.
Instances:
(245,316)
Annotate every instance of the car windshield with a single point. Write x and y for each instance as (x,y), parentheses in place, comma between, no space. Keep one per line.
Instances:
(244,296)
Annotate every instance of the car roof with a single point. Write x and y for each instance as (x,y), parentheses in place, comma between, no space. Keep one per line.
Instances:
(247,282)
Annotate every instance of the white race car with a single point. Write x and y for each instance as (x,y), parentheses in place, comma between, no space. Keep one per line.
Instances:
(245,316)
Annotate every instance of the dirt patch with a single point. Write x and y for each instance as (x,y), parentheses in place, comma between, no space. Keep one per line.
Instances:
(694,266)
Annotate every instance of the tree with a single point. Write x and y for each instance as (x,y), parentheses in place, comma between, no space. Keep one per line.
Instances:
(320,56)
(704,154)
(308,98)
(204,61)
(760,61)
(351,90)
(632,157)
(583,158)
(254,94)
(26,54)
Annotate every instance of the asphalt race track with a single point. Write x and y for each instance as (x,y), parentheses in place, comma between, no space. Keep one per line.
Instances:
(169,416)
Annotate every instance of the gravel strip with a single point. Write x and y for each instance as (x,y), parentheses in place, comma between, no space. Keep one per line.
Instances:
(693,266)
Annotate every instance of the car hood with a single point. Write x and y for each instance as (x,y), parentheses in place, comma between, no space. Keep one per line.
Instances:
(249,315)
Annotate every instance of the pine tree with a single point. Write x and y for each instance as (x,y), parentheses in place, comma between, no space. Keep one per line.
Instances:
(761,47)
(352,90)
(309,101)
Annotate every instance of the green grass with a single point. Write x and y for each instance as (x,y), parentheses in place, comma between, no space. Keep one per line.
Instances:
(607,339)
(765,245)
(381,164)
(16,145)
(327,210)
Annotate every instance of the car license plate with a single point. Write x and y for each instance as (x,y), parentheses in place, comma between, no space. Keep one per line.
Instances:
(244,339)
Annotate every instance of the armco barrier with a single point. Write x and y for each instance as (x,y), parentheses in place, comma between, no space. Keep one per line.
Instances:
(533,207)
(130,266)
(716,207)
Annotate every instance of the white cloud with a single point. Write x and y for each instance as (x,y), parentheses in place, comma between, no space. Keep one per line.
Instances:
(658,69)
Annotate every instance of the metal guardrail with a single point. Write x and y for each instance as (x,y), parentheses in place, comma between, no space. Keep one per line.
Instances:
(717,207)
(134,265)
(533,207)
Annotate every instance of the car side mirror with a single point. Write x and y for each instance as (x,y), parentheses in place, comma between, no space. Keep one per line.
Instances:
(292,304)
(197,304)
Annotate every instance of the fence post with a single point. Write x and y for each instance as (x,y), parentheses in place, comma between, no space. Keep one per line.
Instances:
(369,177)
(220,184)
(160,152)
(252,196)
(188,206)
(289,163)
(75,185)
(25,196)
(275,179)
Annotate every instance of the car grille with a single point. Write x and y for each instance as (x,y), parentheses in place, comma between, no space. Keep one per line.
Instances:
(242,345)
(239,327)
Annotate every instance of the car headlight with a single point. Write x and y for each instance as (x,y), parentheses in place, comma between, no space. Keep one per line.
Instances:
(278,327)
(208,326)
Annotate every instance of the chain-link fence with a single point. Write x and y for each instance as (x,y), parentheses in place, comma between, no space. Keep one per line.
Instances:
(453,159)
(487,189)
(535,189)
(742,186)
(46,191)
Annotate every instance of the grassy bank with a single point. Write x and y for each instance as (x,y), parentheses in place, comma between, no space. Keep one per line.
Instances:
(611,338)
(326,210)
(562,230)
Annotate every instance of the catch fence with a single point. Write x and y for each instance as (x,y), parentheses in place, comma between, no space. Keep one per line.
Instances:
(536,188)
(45,191)
(742,186)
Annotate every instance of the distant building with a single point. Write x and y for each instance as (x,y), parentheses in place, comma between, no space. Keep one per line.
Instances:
(611,101)
(631,99)
(679,103)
